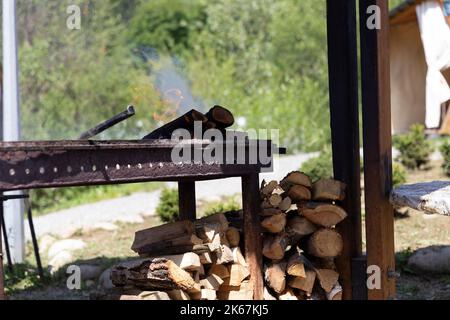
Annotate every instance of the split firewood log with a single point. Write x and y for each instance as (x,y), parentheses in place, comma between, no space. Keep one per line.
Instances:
(267,189)
(274,224)
(219,218)
(288,294)
(131,294)
(299,193)
(187,243)
(285,205)
(234,237)
(295,178)
(208,231)
(275,276)
(224,255)
(188,261)
(238,273)
(266,205)
(323,263)
(299,227)
(162,233)
(205,258)
(186,122)
(205,294)
(323,214)
(304,283)
(219,270)
(328,189)
(275,200)
(274,246)
(328,279)
(296,266)
(212,282)
(325,243)
(242,292)
(270,212)
(152,274)
(238,257)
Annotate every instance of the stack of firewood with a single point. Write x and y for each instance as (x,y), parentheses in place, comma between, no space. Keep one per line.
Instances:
(300,241)
(186,260)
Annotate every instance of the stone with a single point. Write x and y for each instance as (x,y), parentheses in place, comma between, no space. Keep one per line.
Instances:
(68,245)
(45,242)
(131,219)
(434,259)
(106,226)
(59,260)
(104,281)
(89,272)
(429,197)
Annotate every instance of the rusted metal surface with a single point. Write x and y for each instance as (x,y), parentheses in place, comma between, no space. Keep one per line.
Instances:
(28,165)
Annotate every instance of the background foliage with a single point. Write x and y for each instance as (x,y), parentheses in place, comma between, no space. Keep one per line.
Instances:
(265,60)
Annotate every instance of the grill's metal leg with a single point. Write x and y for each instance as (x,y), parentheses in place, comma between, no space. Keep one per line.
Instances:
(2,275)
(252,233)
(186,195)
(5,236)
(34,239)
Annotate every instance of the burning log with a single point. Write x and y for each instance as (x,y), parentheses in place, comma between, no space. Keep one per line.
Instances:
(221,117)
(186,122)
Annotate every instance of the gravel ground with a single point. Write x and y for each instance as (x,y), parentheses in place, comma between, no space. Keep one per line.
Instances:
(133,208)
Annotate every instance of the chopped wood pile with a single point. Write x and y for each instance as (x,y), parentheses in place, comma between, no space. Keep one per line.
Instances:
(203,260)
(199,260)
(300,241)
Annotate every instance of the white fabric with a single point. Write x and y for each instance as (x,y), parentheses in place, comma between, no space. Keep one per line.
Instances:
(435,34)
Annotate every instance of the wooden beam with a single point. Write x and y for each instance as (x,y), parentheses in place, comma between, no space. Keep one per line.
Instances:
(343,82)
(375,75)
(186,198)
(252,233)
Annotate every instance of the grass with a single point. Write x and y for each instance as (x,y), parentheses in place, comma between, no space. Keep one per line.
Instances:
(50,200)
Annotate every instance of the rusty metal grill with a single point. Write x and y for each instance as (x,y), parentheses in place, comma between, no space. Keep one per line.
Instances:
(28,165)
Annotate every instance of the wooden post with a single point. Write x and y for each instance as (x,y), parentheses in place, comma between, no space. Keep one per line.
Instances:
(186,200)
(252,233)
(375,74)
(2,275)
(343,83)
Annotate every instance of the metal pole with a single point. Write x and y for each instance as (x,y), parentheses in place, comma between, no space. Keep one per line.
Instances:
(11,124)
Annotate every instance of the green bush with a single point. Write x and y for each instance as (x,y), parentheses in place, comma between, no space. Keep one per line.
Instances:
(167,209)
(319,167)
(445,151)
(414,148)
(398,174)
(226,205)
